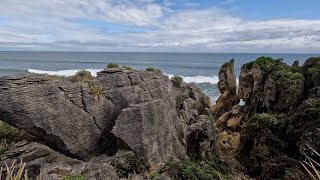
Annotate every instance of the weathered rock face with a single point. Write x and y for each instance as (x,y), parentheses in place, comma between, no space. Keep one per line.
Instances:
(271,85)
(227,86)
(35,155)
(280,116)
(140,112)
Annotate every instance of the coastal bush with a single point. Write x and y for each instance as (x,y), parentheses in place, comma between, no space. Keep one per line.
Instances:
(201,169)
(177,81)
(179,101)
(112,65)
(152,69)
(260,122)
(97,91)
(82,76)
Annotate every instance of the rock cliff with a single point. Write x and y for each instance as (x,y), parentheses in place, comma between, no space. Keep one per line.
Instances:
(120,112)
(268,135)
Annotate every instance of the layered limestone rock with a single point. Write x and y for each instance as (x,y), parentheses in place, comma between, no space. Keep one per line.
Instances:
(141,112)
(227,86)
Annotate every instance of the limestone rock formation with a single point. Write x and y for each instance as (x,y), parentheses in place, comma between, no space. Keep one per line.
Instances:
(143,113)
(267,135)
(227,86)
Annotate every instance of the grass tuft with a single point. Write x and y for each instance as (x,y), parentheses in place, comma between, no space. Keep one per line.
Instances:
(14,172)
(97,91)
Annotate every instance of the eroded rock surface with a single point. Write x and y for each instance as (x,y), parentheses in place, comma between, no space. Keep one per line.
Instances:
(142,112)
(227,86)
(267,135)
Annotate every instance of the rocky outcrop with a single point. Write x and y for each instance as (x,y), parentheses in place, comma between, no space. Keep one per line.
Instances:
(227,86)
(35,155)
(141,112)
(267,135)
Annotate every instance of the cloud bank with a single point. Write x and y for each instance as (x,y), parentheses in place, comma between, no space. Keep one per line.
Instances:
(146,25)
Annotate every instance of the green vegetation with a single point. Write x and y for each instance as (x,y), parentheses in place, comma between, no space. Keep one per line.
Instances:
(128,68)
(315,73)
(152,69)
(81,76)
(229,63)
(287,77)
(97,91)
(73,177)
(9,135)
(111,65)
(153,175)
(179,101)
(265,63)
(203,169)
(177,81)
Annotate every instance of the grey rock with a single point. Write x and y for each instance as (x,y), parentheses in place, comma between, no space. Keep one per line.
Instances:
(35,155)
(137,114)
(88,170)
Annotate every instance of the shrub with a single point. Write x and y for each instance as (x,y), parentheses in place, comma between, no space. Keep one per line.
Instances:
(112,65)
(205,169)
(179,101)
(97,91)
(177,81)
(152,69)
(190,170)
(81,76)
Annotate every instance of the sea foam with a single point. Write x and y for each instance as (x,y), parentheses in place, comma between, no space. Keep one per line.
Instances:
(187,79)
(70,72)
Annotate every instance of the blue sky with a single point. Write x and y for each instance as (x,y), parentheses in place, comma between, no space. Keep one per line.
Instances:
(161,25)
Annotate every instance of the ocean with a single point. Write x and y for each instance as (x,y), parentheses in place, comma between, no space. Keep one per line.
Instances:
(199,68)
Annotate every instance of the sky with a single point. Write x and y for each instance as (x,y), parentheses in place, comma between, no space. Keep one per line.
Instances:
(253,26)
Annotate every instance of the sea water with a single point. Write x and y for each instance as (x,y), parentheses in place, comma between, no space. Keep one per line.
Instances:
(199,68)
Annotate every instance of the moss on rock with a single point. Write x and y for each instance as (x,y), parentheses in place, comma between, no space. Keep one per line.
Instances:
(9,135)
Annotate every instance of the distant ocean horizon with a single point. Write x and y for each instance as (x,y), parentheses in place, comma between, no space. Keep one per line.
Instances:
(199,68)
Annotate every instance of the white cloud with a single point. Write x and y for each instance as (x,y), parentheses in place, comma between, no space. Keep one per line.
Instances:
(55,25)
